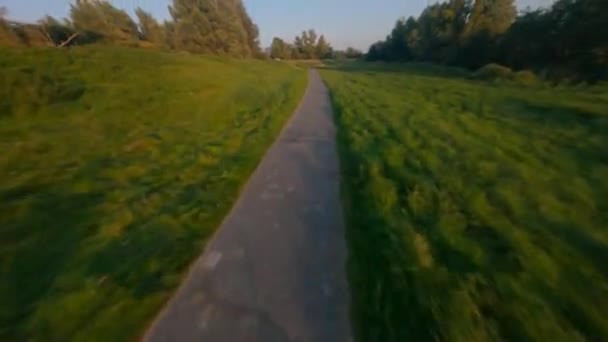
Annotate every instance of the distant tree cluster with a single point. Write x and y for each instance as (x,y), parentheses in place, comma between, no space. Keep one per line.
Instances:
(569,37)
(349,53)
(198,26)
(308,45)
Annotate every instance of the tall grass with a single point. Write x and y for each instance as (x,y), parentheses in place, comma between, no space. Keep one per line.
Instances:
(475,211)
(116,167)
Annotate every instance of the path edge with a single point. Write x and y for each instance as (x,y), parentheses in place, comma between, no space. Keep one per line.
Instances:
(189,273)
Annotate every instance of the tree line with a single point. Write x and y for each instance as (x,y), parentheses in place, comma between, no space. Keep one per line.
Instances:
(197,26)
(566,40)
(309,45)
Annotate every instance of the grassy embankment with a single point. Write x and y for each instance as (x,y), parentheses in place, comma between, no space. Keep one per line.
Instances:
(476,211)
(116,166)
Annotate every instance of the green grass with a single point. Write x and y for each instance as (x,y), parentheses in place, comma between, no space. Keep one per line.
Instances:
(305,63)
(116,167)
(476,211)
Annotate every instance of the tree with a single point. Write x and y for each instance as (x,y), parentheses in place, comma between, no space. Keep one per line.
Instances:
(200,26)
(353,53)
(397,42)
(323,49)
(453,32)
(7,34)
(310,43)
(492,16)
(566,40)
(232,33)
(169,35)
(563,41)
(100,17)
(280,49)
(192,26)
(439,31)
(212,26)
(251,29)
(305,46)
(377,52)
(149,29)
(58,33)
(276,48)
(298,50)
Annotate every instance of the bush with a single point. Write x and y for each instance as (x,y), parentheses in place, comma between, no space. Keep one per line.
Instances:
(493,72)
(8,38)
(526,78)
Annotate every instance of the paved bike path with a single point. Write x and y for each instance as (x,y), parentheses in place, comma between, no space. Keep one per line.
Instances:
(275,270)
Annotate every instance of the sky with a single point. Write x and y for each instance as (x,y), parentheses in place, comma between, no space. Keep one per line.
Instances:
(356,23)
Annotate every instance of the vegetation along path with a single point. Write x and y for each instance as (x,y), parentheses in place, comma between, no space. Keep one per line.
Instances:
(275,271)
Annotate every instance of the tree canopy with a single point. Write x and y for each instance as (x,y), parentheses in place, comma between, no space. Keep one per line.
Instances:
(149,28)
(212,26)
(308,45)
(471,33)
(279,49)
(102,18)
(197,26)
(567,38)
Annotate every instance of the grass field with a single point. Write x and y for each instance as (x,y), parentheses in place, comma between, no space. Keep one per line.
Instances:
(116,167)
(476,211)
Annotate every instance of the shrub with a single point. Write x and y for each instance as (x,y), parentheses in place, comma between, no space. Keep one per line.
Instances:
(8,38)
(493,72)
(526,78)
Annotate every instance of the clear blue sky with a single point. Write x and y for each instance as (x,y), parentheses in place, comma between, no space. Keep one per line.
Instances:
(345,23)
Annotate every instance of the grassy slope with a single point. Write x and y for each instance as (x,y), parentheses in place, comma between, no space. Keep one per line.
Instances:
(476,211)
(116,166)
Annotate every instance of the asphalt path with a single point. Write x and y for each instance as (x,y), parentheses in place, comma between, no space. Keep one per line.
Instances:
(276,268)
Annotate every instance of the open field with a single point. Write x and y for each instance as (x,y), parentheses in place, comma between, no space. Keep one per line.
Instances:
(476,211)
(305,64)
(116,167)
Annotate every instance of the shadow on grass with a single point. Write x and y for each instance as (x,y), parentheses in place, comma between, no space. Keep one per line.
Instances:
(558,115)
(489,274)
(417,69)
(42,251)
(376,286)
(591,123)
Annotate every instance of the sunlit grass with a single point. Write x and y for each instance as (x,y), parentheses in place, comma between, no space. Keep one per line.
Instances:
(476,211)
(116,167)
